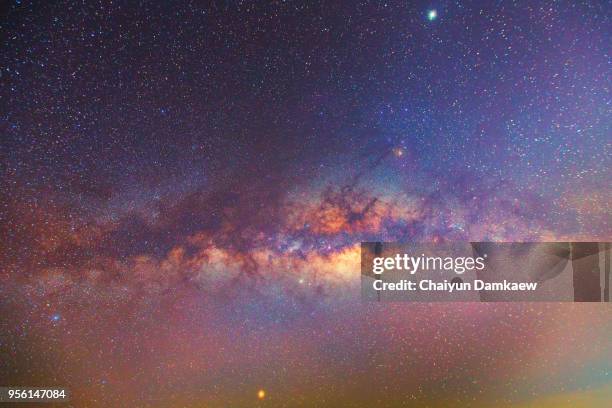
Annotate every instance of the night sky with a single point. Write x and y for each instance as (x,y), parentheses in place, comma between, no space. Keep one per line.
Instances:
(184,189)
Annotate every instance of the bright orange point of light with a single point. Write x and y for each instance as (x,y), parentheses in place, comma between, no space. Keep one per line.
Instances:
(261,394)
(398,152)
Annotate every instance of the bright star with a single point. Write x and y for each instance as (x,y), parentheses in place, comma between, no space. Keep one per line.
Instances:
(432,15)
(261,394)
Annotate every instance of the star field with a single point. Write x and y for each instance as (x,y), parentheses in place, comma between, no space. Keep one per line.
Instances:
(184,188)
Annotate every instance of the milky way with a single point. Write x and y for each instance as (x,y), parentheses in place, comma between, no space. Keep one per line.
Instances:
(184,190)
